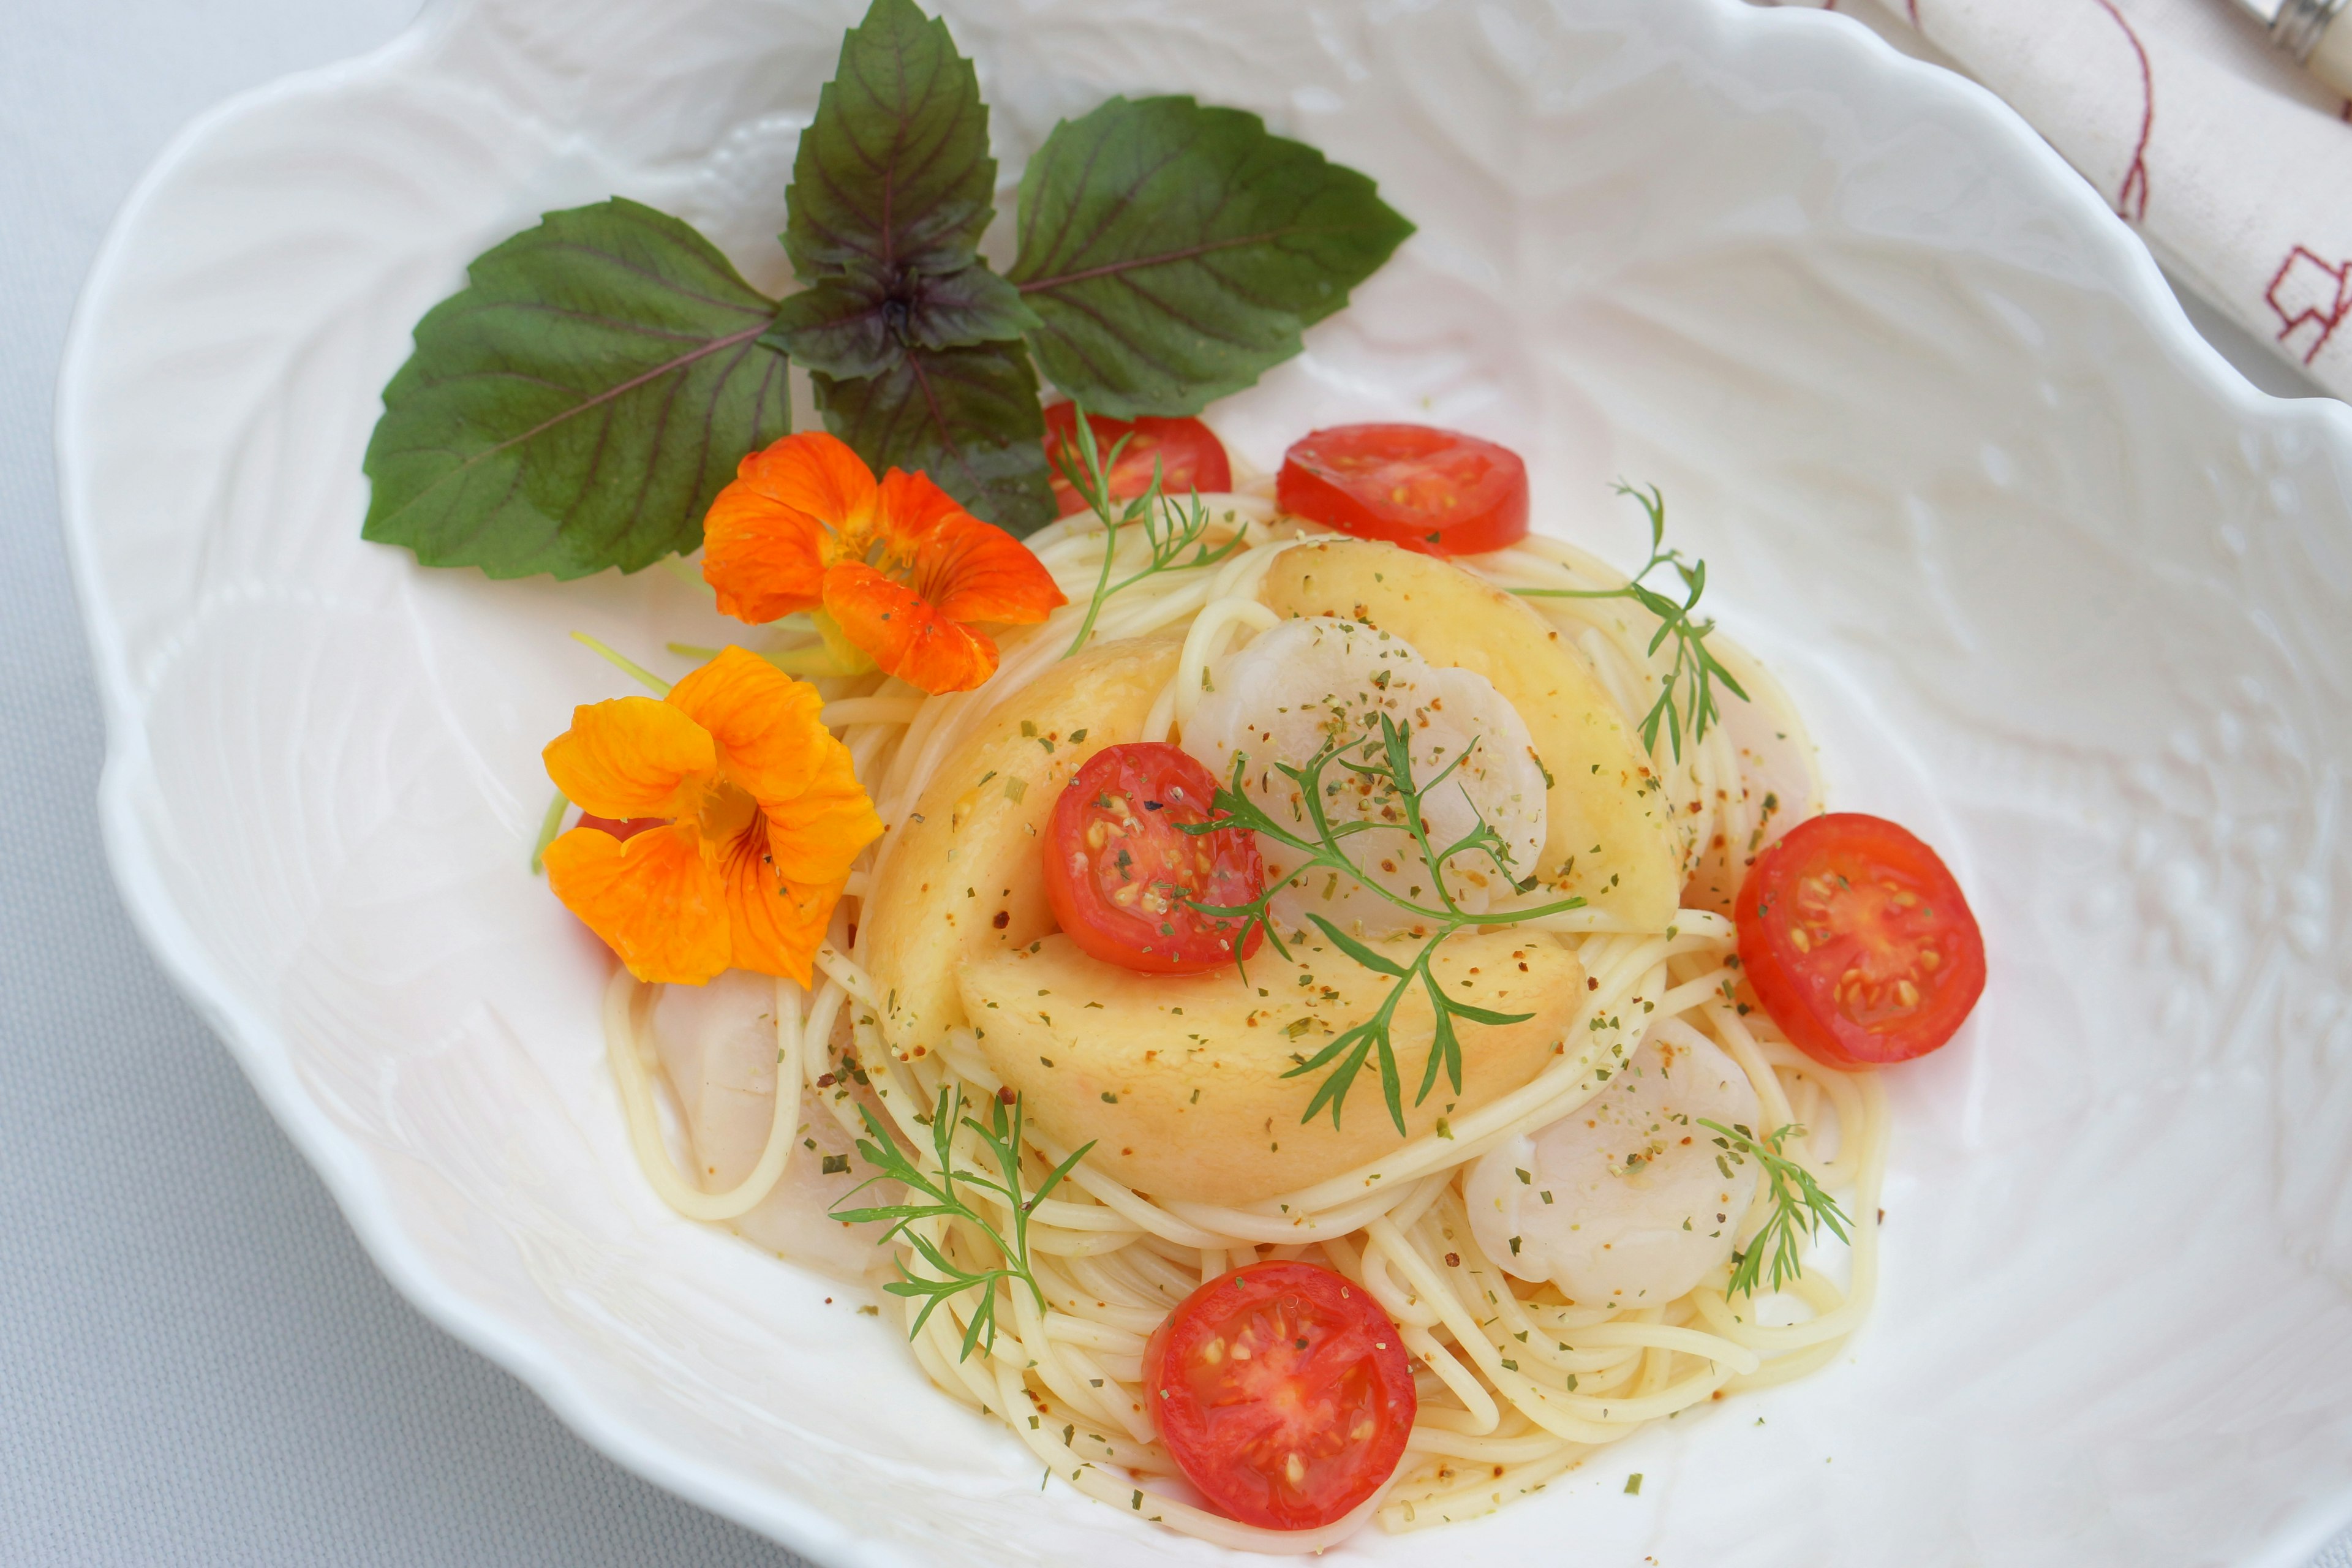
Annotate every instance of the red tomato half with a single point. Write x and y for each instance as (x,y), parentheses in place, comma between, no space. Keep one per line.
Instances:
(1119,870)
(1283,1392)
(1437,491)
(1858,942)
(620,828)
(1191,457)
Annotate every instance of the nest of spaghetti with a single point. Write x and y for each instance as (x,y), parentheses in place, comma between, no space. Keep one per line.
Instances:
(1295,980)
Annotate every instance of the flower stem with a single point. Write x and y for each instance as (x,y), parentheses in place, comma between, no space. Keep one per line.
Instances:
(549,826)
(659,687)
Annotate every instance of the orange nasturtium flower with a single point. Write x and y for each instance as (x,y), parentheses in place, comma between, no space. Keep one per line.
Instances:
(760,814)
(899,565)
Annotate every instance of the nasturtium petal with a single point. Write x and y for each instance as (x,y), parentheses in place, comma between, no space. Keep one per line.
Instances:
(819,475)
(656,898)
(763,560)
(775,924)
(773,742)
(629,757)
(965,569)
(910,509)
(906,635)
(770,533)
(817,834)
(1176,251)
(765,723)
(577,405)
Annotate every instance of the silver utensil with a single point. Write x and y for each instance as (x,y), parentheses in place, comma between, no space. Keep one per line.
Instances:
(2306,31)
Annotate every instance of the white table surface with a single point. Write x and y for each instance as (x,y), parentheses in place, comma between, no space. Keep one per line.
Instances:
(197,1363)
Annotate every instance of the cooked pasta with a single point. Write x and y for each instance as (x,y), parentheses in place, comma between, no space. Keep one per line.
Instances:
(1517,1383)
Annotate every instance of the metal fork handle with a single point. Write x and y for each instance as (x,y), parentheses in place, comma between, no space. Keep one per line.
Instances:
(2300,24)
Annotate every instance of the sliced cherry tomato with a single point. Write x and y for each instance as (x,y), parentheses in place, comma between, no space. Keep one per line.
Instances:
(1858,942)
(1119,872)
(1440,492)
(1191,457)
(622,827)
(1283,1392)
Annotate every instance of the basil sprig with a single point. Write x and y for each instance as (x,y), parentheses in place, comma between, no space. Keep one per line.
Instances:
(911,342)
(579,404)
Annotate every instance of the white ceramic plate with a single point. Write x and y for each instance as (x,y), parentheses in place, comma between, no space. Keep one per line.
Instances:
(2055,585)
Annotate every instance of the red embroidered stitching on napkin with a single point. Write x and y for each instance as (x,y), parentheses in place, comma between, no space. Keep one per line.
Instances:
(2136,177)
(2308,292)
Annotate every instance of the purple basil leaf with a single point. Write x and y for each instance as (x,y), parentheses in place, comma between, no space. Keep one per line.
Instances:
(966,417)
(578,403)
(1176,252)
(857,325)
(893,173)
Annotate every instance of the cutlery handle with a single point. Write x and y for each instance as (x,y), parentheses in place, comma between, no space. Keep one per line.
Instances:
(2310,31)
(2331,59)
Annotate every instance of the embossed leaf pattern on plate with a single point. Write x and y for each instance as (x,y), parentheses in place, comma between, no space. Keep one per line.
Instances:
(2057,588)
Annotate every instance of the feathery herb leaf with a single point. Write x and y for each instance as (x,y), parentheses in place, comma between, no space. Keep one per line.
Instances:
(1386,761)
(1694,669)
(1799,1204)
(1170,529)
(933,1194)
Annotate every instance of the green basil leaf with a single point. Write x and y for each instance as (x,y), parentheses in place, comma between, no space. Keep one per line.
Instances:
(893,171)
(1176,252)
(856,325)
(579,403)
(966,417)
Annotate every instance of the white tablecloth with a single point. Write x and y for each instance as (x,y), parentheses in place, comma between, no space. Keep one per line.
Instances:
(2232,162)
(197,1363)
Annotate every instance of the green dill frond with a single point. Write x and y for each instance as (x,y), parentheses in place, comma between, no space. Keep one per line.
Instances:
(1387,762)
(1169,526)
(1799,1204)
(936,1190)
(1688,697)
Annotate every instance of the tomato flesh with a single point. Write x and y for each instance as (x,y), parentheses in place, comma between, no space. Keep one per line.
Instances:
(1858,942)
(1121,875)
(1189,455)
(1438,491)
(1283,1393)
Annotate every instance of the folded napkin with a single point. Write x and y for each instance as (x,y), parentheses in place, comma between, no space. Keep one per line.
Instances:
(2233,164)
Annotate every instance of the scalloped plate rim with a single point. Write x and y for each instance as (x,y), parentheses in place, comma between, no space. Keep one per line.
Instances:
(259,1047)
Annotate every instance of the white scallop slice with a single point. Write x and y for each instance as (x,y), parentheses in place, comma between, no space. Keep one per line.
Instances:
(1621,1202)
(1287,693)
(717,1044)
(1779,783)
